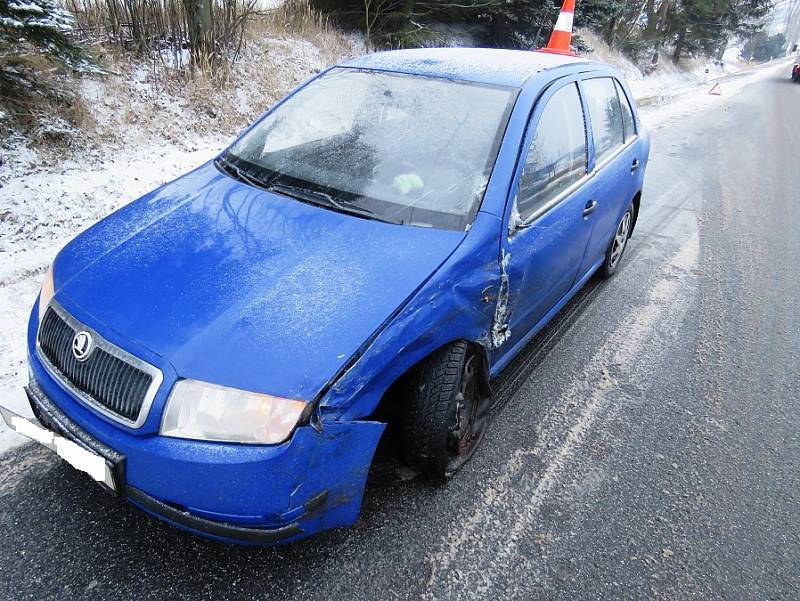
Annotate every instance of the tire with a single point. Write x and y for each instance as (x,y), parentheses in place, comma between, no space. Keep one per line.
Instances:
(619,242)
(446,414)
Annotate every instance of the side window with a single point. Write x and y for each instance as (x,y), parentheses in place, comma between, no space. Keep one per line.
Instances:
(557,156)
(606,115)
(627,113)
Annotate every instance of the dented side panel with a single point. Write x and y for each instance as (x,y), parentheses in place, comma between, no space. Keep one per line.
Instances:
(460,302)
(501,330)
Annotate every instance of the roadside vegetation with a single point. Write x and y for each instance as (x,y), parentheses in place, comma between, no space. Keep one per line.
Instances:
(643,29)
(76,73)
(128,71)
(764,47)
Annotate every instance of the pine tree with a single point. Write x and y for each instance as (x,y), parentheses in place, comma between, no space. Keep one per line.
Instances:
(34,26)
(704,27)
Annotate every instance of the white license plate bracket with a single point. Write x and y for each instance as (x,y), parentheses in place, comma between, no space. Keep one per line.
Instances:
(99,468)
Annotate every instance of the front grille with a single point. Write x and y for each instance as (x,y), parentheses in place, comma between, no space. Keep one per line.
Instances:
(110,378)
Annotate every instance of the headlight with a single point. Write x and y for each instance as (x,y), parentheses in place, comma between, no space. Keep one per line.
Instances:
(46,293)
(203,411)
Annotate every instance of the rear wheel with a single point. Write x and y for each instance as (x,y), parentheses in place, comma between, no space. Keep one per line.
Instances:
(616,247)
(447,413)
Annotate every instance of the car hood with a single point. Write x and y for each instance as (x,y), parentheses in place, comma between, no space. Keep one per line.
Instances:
(242,287)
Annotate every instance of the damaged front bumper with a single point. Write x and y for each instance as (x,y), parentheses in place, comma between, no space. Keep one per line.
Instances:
(250,494)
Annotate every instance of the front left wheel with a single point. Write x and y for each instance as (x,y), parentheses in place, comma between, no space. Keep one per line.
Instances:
(447,411)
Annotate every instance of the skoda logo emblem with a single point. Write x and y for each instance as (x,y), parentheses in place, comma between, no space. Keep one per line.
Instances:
(82,345)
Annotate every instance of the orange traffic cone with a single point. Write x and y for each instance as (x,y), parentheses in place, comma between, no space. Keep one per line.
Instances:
(561,37)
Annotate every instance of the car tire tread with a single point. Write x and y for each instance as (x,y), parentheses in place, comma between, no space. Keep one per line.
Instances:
(434,386)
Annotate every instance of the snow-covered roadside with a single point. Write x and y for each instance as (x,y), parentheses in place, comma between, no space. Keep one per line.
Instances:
(667,81)
(696,98)
(42,207)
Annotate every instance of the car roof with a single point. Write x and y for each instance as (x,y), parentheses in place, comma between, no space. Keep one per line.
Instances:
(483,65)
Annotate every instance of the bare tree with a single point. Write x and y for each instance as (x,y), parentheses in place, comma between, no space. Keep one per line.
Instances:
(201,26)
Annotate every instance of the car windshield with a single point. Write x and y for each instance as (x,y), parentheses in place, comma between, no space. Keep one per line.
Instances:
(399,148)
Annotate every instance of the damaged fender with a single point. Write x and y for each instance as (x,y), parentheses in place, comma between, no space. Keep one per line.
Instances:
(459,302)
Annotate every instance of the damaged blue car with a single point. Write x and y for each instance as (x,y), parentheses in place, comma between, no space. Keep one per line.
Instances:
(226,352)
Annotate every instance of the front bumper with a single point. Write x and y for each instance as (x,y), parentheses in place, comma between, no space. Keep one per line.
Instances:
(249,494)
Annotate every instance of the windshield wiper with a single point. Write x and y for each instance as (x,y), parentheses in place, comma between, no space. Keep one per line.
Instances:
(240,174)
(316,197)
(319,197)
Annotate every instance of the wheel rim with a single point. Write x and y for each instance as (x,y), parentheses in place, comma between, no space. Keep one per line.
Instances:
(470,417)
(620,239)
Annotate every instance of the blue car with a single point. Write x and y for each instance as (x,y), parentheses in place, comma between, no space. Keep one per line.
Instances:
(226,351)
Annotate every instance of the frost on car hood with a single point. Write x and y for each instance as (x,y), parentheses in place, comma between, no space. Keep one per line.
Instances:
(242,287)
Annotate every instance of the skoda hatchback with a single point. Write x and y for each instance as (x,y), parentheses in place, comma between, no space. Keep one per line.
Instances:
(218,351)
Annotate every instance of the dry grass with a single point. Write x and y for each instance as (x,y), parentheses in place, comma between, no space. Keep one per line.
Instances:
(50,110)
(146,26)
(157,97)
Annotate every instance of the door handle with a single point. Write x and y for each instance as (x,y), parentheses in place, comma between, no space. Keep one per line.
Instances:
(590,207)
(634,165)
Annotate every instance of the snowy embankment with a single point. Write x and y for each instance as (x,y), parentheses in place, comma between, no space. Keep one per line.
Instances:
(45,202)
(41,209)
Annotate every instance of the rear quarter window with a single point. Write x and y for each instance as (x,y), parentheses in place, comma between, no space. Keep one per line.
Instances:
(605,114)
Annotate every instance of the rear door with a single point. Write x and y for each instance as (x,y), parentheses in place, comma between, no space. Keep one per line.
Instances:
(548,232)
(613,159)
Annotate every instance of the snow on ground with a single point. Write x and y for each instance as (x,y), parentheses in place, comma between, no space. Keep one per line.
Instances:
(41,210)
(697,98)
(44,202)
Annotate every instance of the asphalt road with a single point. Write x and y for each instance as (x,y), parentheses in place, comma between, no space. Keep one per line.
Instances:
(645,445)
